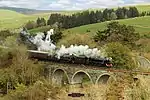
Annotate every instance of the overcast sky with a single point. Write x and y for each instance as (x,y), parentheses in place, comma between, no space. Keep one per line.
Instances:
(69,4)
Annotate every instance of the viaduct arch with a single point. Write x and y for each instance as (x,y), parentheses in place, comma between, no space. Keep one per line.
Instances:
(103,79)
(81,77)
(60,77)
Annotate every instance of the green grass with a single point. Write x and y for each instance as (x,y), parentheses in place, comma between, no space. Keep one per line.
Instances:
(143,7)
(40,29)
(141,24)
(11,20)
(7,14)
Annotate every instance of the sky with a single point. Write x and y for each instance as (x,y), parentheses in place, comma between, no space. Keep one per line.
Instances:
(69,4)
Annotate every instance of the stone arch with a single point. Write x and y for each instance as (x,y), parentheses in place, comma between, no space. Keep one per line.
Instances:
(81,77)
(60,77)
(135,79)
(103,78)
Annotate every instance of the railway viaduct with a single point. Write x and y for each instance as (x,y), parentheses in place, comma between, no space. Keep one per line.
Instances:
(76,74)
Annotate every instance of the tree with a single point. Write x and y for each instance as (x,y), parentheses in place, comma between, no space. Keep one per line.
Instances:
(133,12)
(99,16)
(41,22)
(120,13)
(116,32)
(92,17)
(106,14)
(56,36)
(113,16)
(121,55)
(38,21)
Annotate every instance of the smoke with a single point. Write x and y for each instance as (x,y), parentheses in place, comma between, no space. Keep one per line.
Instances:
(80,51)
(44,43)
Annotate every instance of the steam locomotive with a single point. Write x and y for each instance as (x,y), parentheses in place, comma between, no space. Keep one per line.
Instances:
(44,56)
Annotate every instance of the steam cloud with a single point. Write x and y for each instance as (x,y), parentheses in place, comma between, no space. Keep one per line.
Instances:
(74,50)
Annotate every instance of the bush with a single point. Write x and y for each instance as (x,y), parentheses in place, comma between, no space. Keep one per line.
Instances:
(121,55)
(77,39)
(4,34)
(30,25)
(57,36)
(41,90)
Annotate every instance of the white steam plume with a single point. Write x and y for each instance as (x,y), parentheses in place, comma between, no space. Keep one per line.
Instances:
(74,50)
(44,45)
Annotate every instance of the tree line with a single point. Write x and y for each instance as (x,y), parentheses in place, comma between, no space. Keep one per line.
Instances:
(85,17)
(145,13)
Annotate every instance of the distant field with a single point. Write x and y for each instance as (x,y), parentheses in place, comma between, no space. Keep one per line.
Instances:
(12,19)
(143,7)
(141,24)
(7,14)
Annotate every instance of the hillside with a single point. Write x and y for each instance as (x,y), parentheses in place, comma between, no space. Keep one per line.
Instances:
(15,20)
(11,19)
(141,25)
(143,7)
(8,14)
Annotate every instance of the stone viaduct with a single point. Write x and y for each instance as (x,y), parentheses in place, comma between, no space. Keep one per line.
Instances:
(76,74)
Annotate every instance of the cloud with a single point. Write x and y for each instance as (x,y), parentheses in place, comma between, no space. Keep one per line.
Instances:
(20,3)
(69,4)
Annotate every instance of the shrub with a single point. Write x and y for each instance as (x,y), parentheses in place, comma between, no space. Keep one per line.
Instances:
(4,34)
(41,90)
(30,25)
(78,39)
(121,55)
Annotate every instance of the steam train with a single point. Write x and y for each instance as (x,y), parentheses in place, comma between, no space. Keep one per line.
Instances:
(44,56)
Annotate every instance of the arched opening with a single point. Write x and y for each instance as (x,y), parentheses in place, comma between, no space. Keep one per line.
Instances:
(81,77)
(103,79)
(60,77)
(135,79)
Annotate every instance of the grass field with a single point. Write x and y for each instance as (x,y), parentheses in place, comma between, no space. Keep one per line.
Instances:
(143,7)
(11,19)
(141,24)
(8,14)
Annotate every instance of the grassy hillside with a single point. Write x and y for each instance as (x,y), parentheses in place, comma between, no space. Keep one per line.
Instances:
(7,14)
(143,7)
(10,19)
(141,25)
